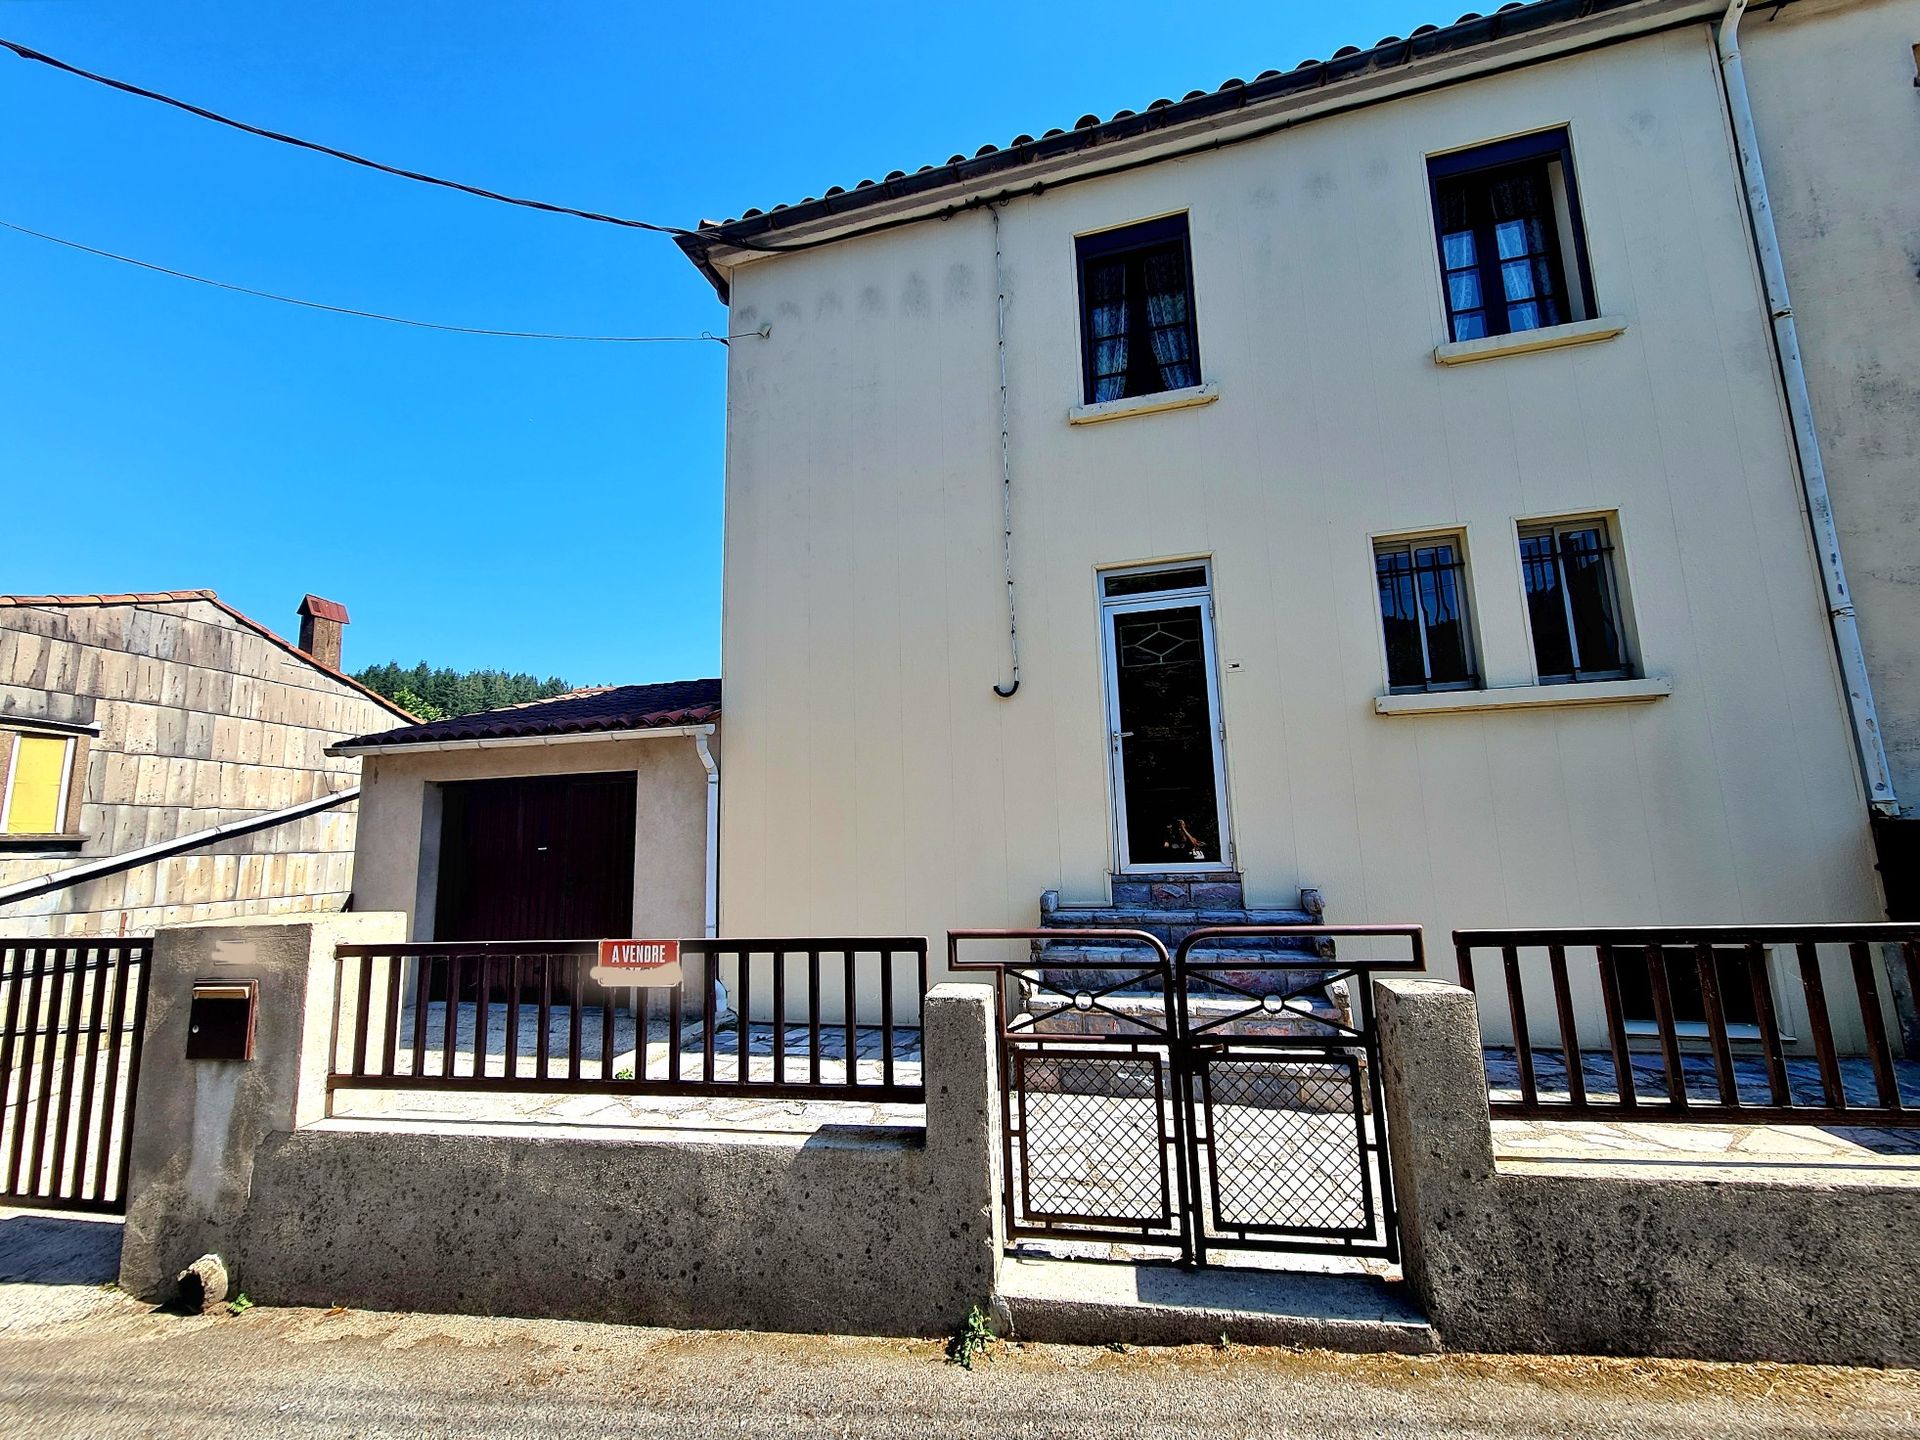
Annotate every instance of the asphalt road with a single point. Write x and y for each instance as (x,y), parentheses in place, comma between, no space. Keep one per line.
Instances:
(81,1360)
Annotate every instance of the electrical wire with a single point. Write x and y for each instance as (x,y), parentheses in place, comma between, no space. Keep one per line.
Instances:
(375,314)
(26,52)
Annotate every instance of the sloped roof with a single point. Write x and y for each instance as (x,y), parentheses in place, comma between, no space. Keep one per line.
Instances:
(1351,62)
(605,708)
(176,597)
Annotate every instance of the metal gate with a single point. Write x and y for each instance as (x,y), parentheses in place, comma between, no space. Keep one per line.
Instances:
(1200,1101)
(71,1016)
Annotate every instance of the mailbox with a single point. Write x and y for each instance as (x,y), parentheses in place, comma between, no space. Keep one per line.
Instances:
(220,1020)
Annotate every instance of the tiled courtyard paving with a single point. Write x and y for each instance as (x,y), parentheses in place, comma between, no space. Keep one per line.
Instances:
(1697,1075)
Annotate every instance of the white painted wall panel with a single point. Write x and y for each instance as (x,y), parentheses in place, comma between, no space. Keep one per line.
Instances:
(875,781)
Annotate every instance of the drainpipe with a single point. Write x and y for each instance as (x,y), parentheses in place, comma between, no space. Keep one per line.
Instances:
(1005,692)
(1806,440)
(713,829)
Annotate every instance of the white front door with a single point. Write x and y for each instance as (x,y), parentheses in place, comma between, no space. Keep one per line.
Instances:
(1167,755)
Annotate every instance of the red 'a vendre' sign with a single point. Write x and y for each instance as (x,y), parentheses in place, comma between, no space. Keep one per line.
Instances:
(638,962)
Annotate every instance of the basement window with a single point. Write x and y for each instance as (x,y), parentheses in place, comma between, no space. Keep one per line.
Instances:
(1738,1001)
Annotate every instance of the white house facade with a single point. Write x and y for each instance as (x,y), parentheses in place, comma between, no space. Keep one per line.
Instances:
(1388,480)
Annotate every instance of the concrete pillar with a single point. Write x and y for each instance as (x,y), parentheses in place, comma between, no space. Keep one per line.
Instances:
(1439,1132)
(959,1040)
(199,1123)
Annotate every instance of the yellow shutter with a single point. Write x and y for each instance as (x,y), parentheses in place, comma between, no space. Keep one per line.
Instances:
(33,805)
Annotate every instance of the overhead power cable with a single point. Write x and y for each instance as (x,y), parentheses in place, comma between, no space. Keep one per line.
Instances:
(375,314)
(26,52)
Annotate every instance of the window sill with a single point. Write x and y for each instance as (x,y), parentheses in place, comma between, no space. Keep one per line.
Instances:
(1526,697)
(1145,404)
(1523,342)
(1737,1031)
(50,844)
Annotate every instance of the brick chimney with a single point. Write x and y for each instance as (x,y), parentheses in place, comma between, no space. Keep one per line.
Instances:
(321,622)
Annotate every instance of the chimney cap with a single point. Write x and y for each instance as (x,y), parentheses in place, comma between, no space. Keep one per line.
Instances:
(319,609)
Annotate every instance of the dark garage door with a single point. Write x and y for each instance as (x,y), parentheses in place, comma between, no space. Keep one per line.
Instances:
(544,858)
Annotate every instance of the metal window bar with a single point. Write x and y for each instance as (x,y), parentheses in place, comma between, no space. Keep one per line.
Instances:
(1414,574)
(1713,1071)
(755,1022)
(1556,537)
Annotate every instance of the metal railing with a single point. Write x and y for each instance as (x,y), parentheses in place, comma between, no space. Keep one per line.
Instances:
(824,1018)
(69,1067)
(1715,1023)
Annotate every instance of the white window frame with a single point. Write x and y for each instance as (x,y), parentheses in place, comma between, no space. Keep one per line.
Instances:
(1408,542)
(13,769)
(1616,596)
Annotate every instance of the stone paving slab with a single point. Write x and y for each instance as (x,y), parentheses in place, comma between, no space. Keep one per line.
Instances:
(1781,1154)
(1697,1074)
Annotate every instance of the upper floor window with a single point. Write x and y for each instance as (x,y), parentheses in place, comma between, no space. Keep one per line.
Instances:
(1423,613)
(1573,601)
(1136,311)
(36,782)
(1512,252)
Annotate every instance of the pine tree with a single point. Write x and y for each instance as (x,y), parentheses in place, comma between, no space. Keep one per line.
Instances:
(440,694)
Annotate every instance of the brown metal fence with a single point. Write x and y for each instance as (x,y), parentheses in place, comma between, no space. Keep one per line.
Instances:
(71,1016)
(824,1018)
(1717,1023)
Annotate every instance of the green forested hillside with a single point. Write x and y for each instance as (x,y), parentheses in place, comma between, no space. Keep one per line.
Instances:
(439,694)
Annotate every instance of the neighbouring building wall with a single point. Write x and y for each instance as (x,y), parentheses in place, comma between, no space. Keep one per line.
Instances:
(876,784)
(397,855)
(200,721)
(1832,83)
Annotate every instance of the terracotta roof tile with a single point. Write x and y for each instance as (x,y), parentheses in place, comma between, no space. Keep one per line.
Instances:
(604,708)
(1090,131)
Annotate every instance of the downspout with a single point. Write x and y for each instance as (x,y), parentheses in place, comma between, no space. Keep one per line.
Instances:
(1806,439)
(1005,692)
(713,829)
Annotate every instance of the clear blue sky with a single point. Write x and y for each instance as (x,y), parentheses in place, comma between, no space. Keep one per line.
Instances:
(474,502)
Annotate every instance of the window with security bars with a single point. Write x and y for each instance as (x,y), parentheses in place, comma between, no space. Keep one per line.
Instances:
(1573,602)
(1423,613)
(1136,311)
(1512,254)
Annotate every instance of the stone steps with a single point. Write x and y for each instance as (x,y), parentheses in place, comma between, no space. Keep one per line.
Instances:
(1086,1302)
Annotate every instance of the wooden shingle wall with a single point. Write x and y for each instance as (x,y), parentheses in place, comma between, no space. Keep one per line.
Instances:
(201,721)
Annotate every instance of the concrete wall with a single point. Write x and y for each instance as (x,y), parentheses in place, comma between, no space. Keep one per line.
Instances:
(876,784)
(857,1228)
(201,721)
(199,1122)
(1839,122)
(1793,1268)
(397,844)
